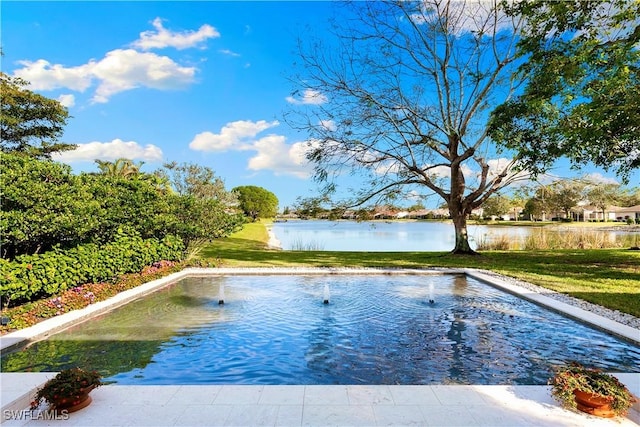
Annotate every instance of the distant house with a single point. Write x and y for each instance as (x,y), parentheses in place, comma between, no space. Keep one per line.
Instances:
(622,214)
(419,214)
(611,213)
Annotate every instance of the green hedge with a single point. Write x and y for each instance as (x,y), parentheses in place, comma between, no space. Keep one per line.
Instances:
(29,277)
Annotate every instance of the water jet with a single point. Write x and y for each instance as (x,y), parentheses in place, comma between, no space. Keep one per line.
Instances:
(221,295)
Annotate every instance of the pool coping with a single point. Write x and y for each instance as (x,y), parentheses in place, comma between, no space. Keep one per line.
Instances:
(50,326)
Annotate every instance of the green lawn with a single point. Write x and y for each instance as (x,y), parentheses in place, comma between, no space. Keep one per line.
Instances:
(609,277)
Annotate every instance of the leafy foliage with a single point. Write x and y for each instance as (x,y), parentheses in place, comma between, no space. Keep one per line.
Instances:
(583,76)
(46,206)
(133,202)
(121,167)
(194,219)
(30,123)
(496,205)
(188,179)
(43,204)
(201,208)
(257,202)
(29,314)
(33,276)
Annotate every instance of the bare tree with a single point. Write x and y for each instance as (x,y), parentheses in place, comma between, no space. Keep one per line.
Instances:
(400,102)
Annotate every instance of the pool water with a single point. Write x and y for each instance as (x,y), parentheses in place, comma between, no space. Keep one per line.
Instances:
(276,329)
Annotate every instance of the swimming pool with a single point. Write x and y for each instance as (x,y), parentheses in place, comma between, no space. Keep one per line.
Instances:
(275,329)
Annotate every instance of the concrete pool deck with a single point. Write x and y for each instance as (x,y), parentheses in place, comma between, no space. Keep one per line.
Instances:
(246,405)
(307,405)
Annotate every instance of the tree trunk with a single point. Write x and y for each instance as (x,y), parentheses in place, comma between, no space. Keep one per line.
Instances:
(462,239)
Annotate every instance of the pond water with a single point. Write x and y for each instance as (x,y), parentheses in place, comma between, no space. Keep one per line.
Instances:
(401,236)
(276,329)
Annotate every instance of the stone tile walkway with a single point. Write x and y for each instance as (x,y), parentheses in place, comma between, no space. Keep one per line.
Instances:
(245,405)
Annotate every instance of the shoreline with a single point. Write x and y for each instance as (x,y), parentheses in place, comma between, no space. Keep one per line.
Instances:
(273,242)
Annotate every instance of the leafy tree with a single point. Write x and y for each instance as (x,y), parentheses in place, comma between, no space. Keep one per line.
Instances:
(43,205)
(496,205)
(630,197)
(603,196)
(135,203)
(310,207)
(541,202)
(197,220)
(257,202)
(201,206)
(534,208)
(416,207)
(121,167)
(29,122)
(407,87)
(583,78)
(565,195)
(198,181)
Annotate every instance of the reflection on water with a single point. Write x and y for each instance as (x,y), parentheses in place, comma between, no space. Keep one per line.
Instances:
(374,330)
(410,236)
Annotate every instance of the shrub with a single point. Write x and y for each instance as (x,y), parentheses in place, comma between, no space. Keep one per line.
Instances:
(30,277)
(78,297)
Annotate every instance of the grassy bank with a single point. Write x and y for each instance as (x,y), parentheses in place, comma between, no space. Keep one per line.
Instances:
(608,277)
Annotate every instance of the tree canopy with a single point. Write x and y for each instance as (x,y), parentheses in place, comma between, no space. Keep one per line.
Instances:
(582,73)
(256,202)
(43,204)
(122,167)
(30,123)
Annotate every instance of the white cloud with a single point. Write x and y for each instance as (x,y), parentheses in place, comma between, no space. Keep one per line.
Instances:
(385,167)
(42,75)
(281,158)
(229,52)
(598,178)
(309,97)
(235,135)
(464,16)
(110,151)
(329,125)
(122,70)
(498,166)
(272,151)
(118,71)
(161,37)
(67,100)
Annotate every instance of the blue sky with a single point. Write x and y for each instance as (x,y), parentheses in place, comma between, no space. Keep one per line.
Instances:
(202,82)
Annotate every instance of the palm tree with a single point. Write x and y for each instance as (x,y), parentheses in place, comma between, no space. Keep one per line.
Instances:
(121,167)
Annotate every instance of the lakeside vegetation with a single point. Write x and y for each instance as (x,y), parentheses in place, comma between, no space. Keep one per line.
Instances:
(607,277)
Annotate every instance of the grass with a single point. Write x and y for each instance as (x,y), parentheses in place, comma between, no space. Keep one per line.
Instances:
(607,277)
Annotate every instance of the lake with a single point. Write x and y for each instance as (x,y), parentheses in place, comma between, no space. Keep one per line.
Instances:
(401,236)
